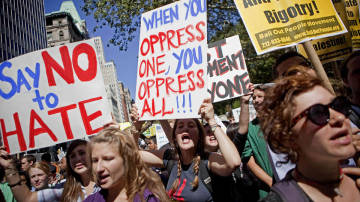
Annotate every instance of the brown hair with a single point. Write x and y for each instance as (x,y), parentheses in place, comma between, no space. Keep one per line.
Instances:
(72,188)
(197,158)
(278,110)
(42,166)
(137,175)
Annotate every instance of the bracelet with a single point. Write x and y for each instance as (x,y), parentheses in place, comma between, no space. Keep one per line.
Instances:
(16,184)
(213,127)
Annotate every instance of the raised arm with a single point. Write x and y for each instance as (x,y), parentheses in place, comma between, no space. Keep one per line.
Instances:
(167,129)
(20,191)
(244,112)
(221,164)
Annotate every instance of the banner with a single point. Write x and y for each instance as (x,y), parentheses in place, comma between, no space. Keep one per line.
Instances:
(171,75)
(352,15)
(332,48)
(277,24)
(227,72)
(52,96)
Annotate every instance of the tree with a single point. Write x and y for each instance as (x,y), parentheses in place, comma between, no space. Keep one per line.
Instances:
(123,16)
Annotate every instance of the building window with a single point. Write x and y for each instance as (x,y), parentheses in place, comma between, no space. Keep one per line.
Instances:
(61,35)
(49,36)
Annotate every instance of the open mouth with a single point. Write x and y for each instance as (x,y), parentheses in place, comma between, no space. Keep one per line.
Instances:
(103,179)
(185,138)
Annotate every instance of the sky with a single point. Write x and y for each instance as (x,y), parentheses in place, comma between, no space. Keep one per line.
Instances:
(125,61)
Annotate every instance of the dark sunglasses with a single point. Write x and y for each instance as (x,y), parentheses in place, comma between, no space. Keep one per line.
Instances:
(319,114)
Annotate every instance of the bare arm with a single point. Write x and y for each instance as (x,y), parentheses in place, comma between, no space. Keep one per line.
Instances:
(224,163)
(244,112)
(153,158)
(20,192)
(167,129)
(259,172)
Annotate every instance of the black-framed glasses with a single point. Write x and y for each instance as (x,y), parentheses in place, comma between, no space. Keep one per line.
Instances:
(319,114)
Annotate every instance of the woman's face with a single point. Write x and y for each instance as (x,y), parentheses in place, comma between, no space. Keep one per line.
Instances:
(107,164)
(38,178)
(329,142)
(79,160)
(186,134)
(211,143)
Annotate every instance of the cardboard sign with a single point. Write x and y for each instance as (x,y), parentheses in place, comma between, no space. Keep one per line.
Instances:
(352,15)
(333,48)
(52,96)
(277,24)
(161,138)
(227,72)
(171,77)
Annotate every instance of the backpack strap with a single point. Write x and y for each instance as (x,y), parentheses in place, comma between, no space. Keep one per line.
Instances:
(354,118)
(289,190)
(171,161)
(204,176)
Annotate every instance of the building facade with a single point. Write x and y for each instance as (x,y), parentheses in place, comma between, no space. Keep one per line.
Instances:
(22,27)
(65,26)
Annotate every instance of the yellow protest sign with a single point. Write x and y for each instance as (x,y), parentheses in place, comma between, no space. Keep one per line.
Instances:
(277,24)
(352,15)
(332,48)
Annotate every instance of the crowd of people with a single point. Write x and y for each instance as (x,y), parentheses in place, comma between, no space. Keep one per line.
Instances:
(302,146)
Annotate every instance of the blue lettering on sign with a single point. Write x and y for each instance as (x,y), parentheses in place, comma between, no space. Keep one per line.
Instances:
(162,17)
(20,80)
(55,98)
(195,7)
(187,58)
(8,80)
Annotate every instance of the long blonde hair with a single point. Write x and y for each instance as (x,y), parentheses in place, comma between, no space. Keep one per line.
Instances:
(137,175)
(72,188)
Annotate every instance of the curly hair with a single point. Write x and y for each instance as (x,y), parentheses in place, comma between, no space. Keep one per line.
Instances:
(196,160)
(278,111)
(137,175)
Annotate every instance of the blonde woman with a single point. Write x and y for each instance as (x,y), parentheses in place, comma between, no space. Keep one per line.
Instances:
(119,170)
(39,174)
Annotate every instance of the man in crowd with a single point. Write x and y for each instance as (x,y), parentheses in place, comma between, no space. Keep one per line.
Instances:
(27,161)
(288,60)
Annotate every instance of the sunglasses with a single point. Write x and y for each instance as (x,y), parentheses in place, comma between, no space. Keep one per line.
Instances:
(319,114)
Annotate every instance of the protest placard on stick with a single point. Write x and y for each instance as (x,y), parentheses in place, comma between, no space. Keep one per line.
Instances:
(171,74)
(277,24)
(52,96)
(228,75)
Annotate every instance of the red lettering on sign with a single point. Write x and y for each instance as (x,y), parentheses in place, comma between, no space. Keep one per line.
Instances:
(18,132)
(43,129)
(88,118)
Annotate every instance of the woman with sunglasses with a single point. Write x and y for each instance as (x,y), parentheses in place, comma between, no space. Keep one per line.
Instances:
(302,119)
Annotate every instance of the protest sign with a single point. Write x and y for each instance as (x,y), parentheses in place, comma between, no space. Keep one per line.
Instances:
(52,96)
(161,138)
(277,24)
(332,48)
(171,77)
(227,72)
(352,15)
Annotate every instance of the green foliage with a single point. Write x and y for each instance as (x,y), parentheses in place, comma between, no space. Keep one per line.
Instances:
(123,16)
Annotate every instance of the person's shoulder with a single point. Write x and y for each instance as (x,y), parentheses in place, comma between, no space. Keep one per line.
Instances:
(271,197)
(97,196)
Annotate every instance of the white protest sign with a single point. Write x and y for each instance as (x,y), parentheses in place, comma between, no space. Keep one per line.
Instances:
(52,96)
(171,76)
(228,75)
(161,138)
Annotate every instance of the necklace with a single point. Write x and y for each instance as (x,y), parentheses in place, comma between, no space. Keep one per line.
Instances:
(335,184)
